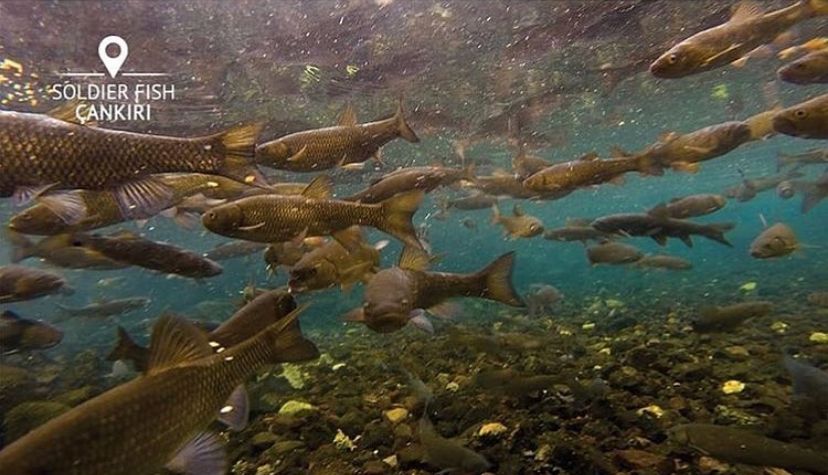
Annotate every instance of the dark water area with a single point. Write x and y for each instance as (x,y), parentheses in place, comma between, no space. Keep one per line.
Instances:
(479,81)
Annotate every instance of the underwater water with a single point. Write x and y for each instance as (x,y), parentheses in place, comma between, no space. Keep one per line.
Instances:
(713,361)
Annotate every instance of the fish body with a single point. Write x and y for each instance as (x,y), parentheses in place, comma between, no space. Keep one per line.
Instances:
(694,205)
(321,149)
(810,384)
(664,262)
(473,201)
(716,319)
(60,251)
(525,165)
(778,240)
(807,120)
(817,156)
(733,445)
(107,309)
(519,225)
(813,192)
(416,178)
(137,251)
(38,151)
(659,227)
(683,152)
(397,295)
(22,334)
(810,69)
(501,185)
(19,283)
(613,253)
(748,29)
(509,382)
(818,298)
(334,264)
(750,187)
(285,254)
(447,454)
(234,250)
(563,178)
(575,233)
(141,425)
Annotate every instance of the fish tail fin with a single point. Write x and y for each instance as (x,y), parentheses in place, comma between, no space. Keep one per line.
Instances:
(716,232)
(397,213)
(497,281)
(21,246)
(285,340)
(126,349)
(403,128)
(812,198)
(647,165)
(238,145)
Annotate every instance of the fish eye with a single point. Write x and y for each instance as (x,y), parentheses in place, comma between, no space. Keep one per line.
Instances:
(799,113)
(672,59)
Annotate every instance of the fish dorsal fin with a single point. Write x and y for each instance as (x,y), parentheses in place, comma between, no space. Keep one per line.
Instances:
(517,210)
(348,116)
(412,258)
(588,157)
(320,188)
(66,113)
(175,341)
(746,10)
(665,137)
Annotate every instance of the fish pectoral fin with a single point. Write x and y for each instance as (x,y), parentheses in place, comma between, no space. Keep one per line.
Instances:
(68,206)
(721,53)
(299,156)
(355,315)
(320,188)
(252,227)
(685,167)
(687,240)
(143,199)
(236,412)
(420,321)
(204,455)
(174,341)
(24,195)
(412,258)
(446,310)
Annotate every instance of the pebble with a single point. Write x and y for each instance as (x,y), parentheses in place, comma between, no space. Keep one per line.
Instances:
(293,407)
(818,337)
(396,415)
(491,429)
(733,387)
(638,459)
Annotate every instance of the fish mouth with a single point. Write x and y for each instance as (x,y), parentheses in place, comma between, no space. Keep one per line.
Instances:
(784,125)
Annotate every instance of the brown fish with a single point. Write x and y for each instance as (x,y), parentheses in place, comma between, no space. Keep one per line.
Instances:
(683,152)
(520,225)
(26,283)
(525,165)
(807,120)
(142,424)
(810,69)
(348,142)
(778,240)
(107,309)
(38,152)
(750,187)
(473,201)
(284,254)
(333,264)
(234,250)
(748,29)
(21,334)
(275,218)
(448,454)
(813,192)
(816,156)
(60,251)
(407,179)
(503,184)
(134,250)
(662,261)
(563,178)
(612,253)
(399,295)
(541,299)
(658,226)
(694,205)
(715,319)
(576,230)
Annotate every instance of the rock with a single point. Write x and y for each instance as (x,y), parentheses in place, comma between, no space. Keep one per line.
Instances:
(491,429)
(263,440)
(391,461)
(76,396)
(293,407)
(819,338)
(28,415)
(376,434)
(737,353)
(15,385)
(403,432)
(638,459)
(733,387)
(709,465)
(396,415)
(374,467)
(285,447)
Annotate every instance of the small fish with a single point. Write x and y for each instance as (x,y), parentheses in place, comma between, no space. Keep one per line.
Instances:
(684,152)
(19,283)
(407,179)
(234,250)
(733,445)
(21,334)
(717,319)
(473,202)
(576,231)
(813,192)
(748,29)
(519,225)
(134,250)
(814,44)
(815,156)
(785,190)
(343,144)
(810,384)
(658,226)
(274,218)
(694,206)
(810,69)
(399,295)
(503,184)
(750,187)
(807,120)
(509,382)
(107,309)
(143,424)
(541,299)
(778,240)
(563,178)
(662,261)
(60,251)
(334,264)
(448,454)
(612,253)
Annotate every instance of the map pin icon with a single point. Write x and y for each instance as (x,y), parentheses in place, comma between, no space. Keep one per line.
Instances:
(113,64)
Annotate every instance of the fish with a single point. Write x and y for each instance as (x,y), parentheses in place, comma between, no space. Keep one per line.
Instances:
(750,187)
(18,283)
(402,294)
(814,156)
(576,231)
(810,384)
(472,202)
(814,44)
(519,225)
(818,298)
(60,251)
(274,218)
(427,179)
(659,226)
(612,253)
(683,152)
(509,382)
(733,445)
(343,144)
(108,308)
(285,254)
(132,249)
(807,120)
(525,165)
(813,192)
(810,69)
(69,156)
(234,250)
(503,184)
(142,424)
(541,298)
(778,240)
(563,178)
(694,205)
(333,264)
(663,261)
(748,28)
(448,454)
(717,319)
(22,334)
